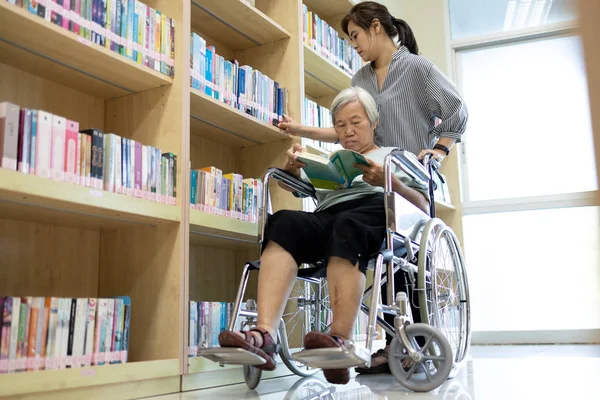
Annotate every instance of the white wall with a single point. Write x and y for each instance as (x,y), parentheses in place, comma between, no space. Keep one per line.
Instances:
(428,19)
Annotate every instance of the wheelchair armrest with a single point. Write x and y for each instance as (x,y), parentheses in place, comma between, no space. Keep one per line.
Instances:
(292,181)
(410,165)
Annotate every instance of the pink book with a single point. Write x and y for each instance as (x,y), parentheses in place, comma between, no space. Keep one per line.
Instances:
(43,147)
(66,4)
(9,135)
(71,152)
(57,157)
(138,170)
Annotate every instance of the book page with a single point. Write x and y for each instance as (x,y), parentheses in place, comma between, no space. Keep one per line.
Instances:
(322,174)
(344,160)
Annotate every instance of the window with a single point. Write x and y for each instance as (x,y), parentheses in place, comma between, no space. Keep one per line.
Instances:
(534,270)
(480,17)
(530,225)
(529,131)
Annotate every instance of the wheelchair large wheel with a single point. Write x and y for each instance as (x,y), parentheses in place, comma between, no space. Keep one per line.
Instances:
(436,362)
(307,309)
(443,286)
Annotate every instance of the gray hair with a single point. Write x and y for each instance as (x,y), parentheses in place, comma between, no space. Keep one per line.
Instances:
(355,94)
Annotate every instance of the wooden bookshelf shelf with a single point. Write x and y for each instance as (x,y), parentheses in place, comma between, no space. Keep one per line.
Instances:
(217,231)
(221,123)
(328,8)
(31,43)
(321,78)
(65,379)
(235,23)
(70,203)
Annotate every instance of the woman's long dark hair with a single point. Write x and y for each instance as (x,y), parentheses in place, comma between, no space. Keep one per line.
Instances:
(363,14)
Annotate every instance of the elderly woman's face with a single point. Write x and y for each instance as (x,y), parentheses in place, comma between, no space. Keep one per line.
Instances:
(353,127)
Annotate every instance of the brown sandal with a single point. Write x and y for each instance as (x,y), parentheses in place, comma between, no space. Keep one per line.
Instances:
(320,340)
(383,368)
(266,351)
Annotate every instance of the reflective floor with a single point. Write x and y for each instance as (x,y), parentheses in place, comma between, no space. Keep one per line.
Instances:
(490,372)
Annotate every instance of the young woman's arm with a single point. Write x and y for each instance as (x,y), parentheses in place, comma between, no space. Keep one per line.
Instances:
(319,134)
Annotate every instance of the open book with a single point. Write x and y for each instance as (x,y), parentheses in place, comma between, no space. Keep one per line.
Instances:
(336,172)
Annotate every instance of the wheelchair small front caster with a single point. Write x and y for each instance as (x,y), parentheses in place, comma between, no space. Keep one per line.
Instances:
(252,376)
(433,361)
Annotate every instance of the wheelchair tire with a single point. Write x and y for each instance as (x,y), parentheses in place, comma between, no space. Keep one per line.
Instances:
(252,376)
(437,365)
(439,241)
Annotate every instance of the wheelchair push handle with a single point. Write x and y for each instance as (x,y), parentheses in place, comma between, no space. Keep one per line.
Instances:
(410,165)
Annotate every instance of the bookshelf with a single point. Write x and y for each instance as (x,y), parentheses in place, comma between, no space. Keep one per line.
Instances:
(47,50)
(66,240)
(322,78)
(329,8)
(219,122)
(236,23)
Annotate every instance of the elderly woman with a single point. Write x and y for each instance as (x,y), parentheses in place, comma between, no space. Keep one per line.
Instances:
(346,228)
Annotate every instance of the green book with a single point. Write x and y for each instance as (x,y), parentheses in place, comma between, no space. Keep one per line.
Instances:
(336,172)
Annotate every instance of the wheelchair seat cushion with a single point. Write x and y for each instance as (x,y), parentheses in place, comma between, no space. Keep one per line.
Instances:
(352,230)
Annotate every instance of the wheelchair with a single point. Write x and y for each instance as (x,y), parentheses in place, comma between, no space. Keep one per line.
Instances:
(420,246)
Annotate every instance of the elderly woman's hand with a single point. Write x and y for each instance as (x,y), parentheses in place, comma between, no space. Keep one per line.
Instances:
(292,164)
(372,173)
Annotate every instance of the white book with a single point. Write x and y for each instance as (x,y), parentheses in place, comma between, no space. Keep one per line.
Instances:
(131,172)
(14,334)
(51,343)
(58,342)
(118,165)
(57,157)
(25,155)
(9,135)
(90,332)
(66,360)
(79,338)
(144,172)
(99,341)
(110,315)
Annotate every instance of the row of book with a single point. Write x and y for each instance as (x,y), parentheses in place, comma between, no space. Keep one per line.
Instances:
(228,195)
(316,115)
(207,320)
(49,333)
(241,87)
(127,27)
(50,146)
(326,41)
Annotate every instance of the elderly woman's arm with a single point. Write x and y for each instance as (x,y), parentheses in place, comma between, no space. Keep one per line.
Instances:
(410,194)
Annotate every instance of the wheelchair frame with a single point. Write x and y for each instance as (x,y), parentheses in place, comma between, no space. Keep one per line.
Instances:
(403,224)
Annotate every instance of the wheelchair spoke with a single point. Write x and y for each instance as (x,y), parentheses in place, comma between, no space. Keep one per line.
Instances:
(426,369)
(411,371)
(433,358)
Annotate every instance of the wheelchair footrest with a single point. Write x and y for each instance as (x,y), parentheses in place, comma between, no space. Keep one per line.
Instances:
(348,356)
(231,355)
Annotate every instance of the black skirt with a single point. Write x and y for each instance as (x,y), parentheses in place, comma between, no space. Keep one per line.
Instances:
(353,230)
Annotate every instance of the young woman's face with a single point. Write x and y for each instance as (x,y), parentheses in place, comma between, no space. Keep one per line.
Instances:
(362,40)
(353,127)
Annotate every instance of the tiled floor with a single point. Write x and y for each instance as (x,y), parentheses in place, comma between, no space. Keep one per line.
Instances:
(491,372)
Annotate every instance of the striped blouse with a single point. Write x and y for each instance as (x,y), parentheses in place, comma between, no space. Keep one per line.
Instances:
(414,93)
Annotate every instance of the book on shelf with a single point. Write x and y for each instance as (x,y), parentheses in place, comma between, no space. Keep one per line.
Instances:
(49,333)
(241,87)
(126,27)
(335,172)
(228,195)
(326,42)
(38,143)
(207,320)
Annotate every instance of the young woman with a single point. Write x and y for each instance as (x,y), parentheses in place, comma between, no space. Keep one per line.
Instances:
(410,93)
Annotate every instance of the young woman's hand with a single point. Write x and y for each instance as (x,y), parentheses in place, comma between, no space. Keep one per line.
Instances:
(435,154)
(372,173)
(290,126)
